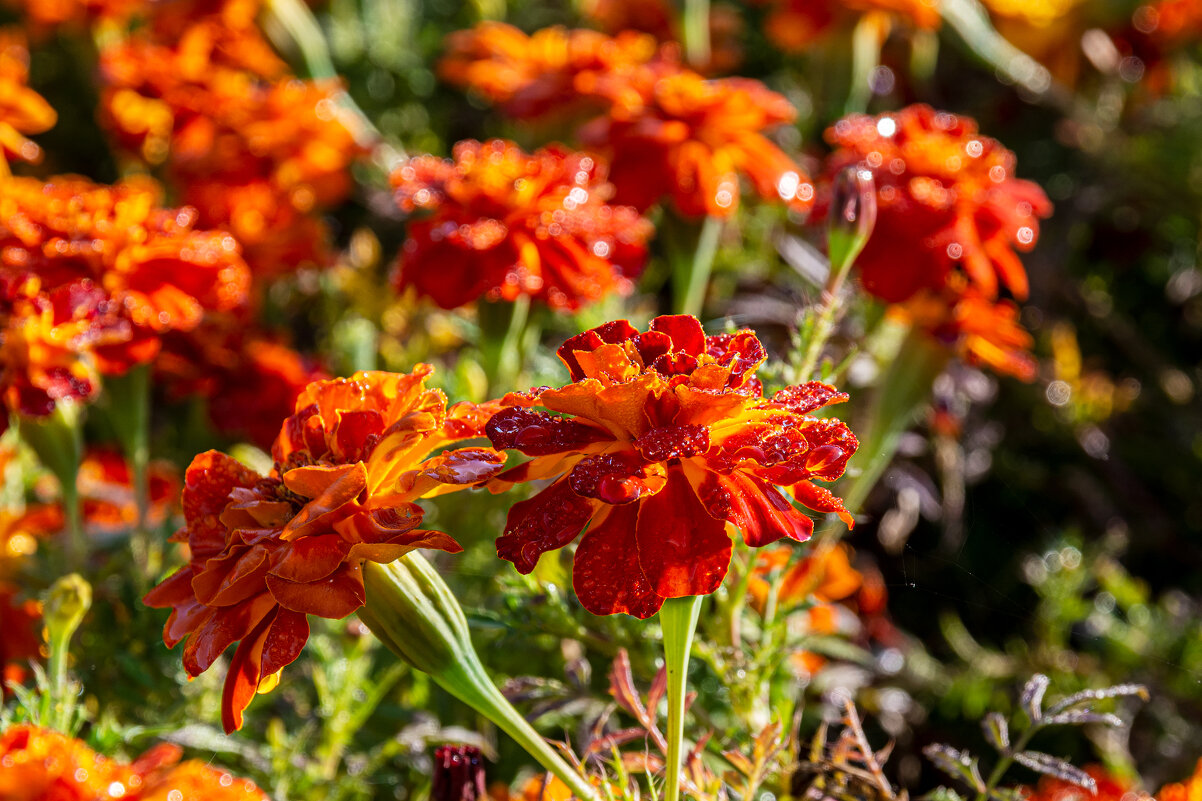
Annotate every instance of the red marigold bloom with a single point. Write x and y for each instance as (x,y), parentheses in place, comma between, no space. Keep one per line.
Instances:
(106,488)
(981,331)
(680,136)
(40,764)
(252,148)
(505,224)
(22,110)
(266,551)
(793,25)
(548,71)
(662,440)
(250,380)
(111,255)
(20,640)
(947,202)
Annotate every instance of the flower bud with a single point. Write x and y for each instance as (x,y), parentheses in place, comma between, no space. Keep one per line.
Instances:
(65,604)
(458,774)
(852,218)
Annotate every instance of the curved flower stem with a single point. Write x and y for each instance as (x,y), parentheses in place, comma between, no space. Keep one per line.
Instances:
(695,30)
(818,337)
(678,618)
(413,612)
(866,41)
(57,440)
(904,389)
(65,604)
(129,404)
(691,247)
(503,334)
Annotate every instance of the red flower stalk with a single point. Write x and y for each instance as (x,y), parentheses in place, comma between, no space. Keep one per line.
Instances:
(679,136)
(505,224)
(947,202)
(267,551)
(663,439)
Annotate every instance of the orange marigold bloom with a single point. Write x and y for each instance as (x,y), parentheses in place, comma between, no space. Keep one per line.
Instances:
(21,532)
(266,551)
(158,272)
(682,137)
(547,71)
(1189,790)
(506,223)
(20,640)
(662,440)
(252,148)
(825,575)
(43,765)
(795,24)
(980,331)
(947,202)
(22,110)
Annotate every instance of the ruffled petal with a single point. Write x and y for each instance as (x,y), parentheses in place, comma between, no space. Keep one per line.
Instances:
(333,597)
(821,499)
(274,644)
(606,574)
(682,549)
(208,482)
(331,489)
(312,558)
(805,398)
(549,520)
(225,627)
(539,433)
(232,578)
(684,330)
(756,508)
(612,333)
(620,477)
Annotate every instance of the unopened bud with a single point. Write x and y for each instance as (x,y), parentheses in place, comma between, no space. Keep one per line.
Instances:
(65,604)
(458,774)
(852,218)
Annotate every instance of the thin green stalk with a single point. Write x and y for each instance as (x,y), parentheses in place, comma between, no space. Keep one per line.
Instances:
(57,440)
(866,41)
(1004,762)
(503,340)
(823,327)
(64,607)
(129,408)
(691,247)
(678,619)
(902,392)
(695,30)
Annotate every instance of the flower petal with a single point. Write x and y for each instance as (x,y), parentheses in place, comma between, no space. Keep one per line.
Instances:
(620,477)
(331,489)
(312,558)
(225,627)
(333,597)
(606,574)
(549,520)
(615,332)
(805,398)
(207,485)
(684,330)
(538,433)
(682,549)
(821,499)
(755,507)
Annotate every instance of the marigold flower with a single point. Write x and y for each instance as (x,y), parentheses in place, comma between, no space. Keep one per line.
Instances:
(252,148)
(266,551)
(505,224)
(665,438)
(980,331)
(547,71)
(947,202)
(106,489)
(42,764)
(21,531)
(123,270)
(825,575)
(20,640)
(22,110)
(682,137)
(795,24)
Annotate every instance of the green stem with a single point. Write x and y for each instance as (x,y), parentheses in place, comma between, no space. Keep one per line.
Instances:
(1004,762)
(866,42)
(503,336)
(695,30)
(678,618)
(819,336)
(57,440)
(129,407)
(903,391)
(691,247)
